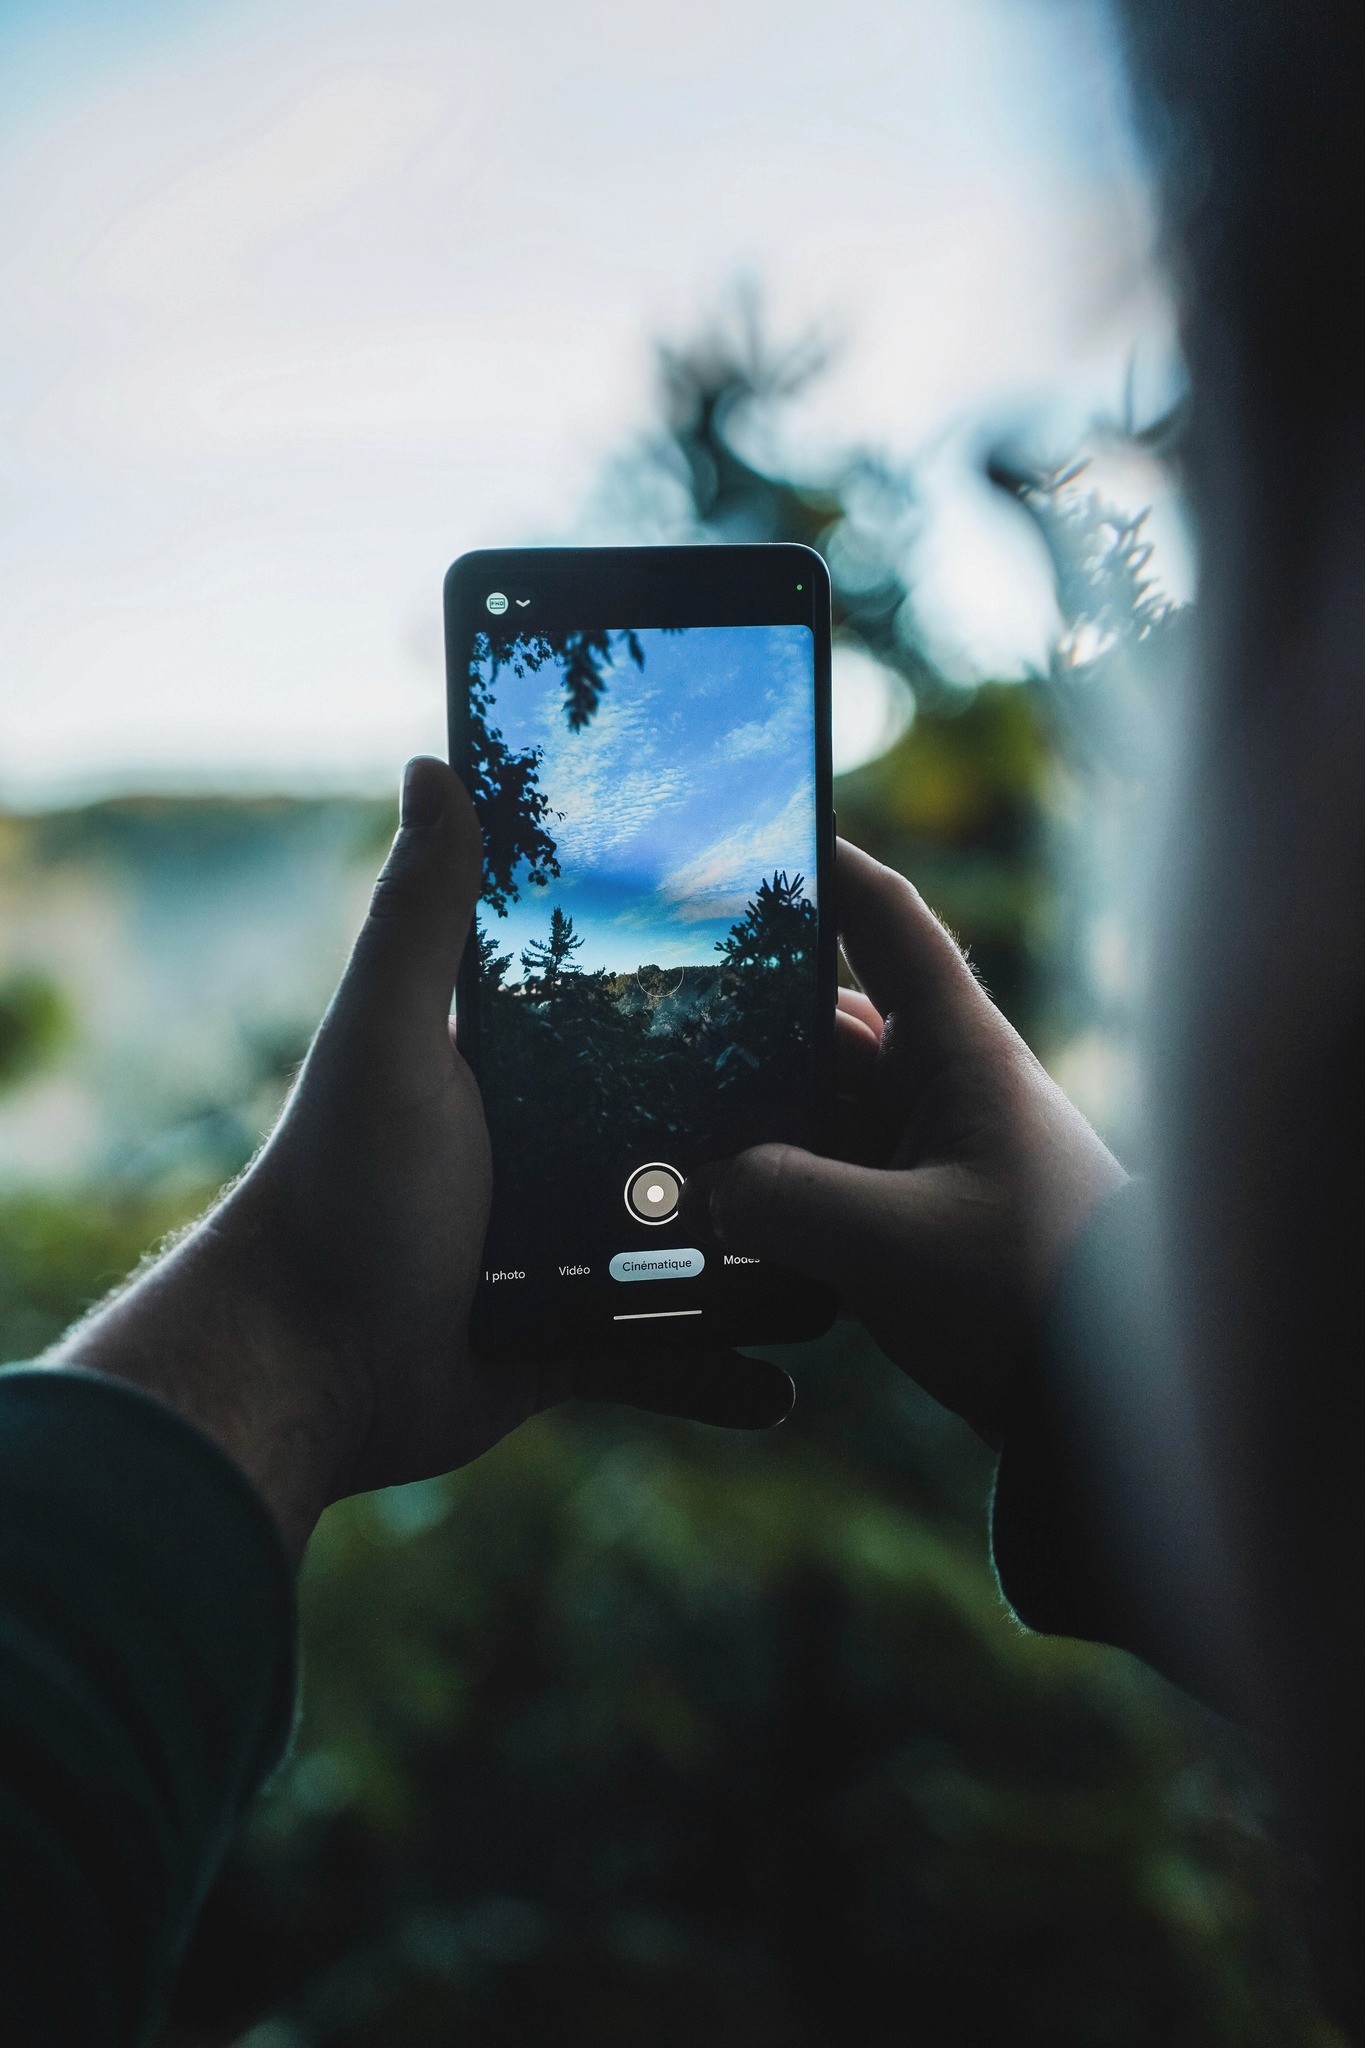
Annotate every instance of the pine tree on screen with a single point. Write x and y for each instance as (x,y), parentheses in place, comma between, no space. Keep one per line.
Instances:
(548,961)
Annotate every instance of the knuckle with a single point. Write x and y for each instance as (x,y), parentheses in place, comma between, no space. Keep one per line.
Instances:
(397,881)
(752,1195)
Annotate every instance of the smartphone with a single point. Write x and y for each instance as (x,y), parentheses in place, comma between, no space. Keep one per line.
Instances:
(651,982)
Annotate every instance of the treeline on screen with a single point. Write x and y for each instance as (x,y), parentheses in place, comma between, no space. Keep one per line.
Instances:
(718,1053)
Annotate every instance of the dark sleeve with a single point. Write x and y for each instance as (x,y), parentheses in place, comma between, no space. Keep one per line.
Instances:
(146,1691)
(1102,1519)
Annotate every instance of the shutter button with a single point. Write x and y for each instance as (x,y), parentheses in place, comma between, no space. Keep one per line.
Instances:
(653,1191)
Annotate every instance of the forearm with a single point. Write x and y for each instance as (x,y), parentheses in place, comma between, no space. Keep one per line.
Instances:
(146,1689)
(212,1329)
(1103,1523)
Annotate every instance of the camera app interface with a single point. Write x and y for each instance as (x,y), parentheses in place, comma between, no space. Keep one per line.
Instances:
(647,988)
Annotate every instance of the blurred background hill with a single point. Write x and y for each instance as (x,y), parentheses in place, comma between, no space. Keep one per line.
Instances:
(631,1732)
(186,944)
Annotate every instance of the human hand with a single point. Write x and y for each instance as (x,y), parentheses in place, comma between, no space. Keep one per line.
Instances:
(968,1173)
(316,1320)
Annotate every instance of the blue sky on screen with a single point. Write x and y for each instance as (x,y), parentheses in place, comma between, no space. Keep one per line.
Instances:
(693,782)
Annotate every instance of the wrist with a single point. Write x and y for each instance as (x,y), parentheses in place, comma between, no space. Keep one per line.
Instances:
(212,1330)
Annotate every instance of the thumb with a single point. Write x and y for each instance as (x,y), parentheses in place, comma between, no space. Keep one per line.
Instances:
(405,960)
(844,1224)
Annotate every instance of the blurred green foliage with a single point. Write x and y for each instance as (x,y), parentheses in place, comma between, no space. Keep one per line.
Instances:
(60,1253)
(635,1732)
(638,1732)
(35,1020)
(958,805)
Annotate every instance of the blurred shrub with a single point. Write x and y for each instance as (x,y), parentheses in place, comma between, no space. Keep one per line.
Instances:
(60,1253)
(960,805)
(35,1021)
(632,1731)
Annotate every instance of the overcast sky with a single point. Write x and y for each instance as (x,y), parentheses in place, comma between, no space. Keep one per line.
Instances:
(298,301)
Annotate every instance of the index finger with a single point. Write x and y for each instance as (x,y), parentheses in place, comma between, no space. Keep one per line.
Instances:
(907,962)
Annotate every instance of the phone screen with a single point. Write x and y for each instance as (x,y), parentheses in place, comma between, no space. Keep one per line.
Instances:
(648,980)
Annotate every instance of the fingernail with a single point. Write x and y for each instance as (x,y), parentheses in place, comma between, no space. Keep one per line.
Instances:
(424,797)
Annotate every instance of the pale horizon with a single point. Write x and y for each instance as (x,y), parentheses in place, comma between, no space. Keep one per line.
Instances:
(300,302)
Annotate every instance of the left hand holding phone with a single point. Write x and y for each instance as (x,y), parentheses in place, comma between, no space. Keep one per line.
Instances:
(315,1321)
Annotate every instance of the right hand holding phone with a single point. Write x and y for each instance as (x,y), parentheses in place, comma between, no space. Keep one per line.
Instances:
(967,1176)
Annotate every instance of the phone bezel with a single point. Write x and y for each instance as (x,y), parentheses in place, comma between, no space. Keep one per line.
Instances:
(721,584)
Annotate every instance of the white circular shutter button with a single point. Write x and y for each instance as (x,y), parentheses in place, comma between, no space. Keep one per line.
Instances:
(653,1192)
